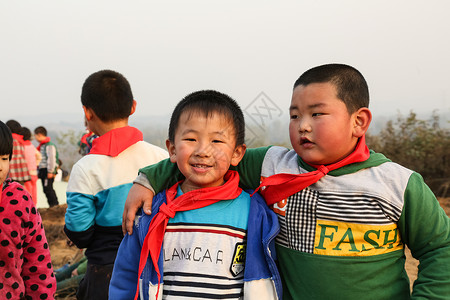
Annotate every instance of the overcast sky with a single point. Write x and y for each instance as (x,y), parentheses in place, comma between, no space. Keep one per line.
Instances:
(168,49)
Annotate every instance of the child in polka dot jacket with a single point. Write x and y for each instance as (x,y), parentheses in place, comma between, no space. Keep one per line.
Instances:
(26,271)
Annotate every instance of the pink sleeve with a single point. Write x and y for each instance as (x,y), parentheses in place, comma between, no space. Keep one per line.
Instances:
(37,266)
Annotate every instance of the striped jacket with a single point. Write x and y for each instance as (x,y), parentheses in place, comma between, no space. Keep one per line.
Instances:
(98,187)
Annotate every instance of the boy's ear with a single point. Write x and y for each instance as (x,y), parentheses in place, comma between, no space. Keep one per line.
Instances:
(172,153)
(88,113)
(361,121)
(238,154)
(133,107)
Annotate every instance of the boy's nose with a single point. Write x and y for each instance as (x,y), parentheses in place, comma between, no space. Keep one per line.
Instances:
(203,149)
(304,126)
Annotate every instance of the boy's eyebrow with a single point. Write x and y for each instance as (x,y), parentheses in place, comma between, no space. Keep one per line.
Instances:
(189,130)
(295,107)
(222,132)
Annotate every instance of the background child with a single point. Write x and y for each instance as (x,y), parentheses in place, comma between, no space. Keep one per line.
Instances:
(217,240)
(346,213)
(85,143)
(33,157)
(48,166)
(25,266)
(18,170)
(100,181)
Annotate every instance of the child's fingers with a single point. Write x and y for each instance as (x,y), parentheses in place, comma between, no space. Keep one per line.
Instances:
(147,207)
(129,213)
(138,196)
(128,219)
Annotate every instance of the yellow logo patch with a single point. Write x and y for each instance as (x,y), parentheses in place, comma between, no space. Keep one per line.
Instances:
(238,264)
(349,239)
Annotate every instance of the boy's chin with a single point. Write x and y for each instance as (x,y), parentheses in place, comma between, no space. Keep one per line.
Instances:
(317,162)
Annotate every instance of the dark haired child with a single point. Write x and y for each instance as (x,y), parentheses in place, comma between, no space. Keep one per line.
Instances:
(33,157)
(26,271)
(48,166)
(100,181)
(346,213)
(206,237)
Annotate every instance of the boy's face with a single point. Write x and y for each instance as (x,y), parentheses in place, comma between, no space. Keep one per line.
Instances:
(204,148)
(4,167)
(320,128)
(39,137)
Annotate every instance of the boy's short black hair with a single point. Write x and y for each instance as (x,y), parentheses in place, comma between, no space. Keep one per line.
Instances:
(26,133)
(40,130)
(108,94)
(6,140)
(350,84)
(14,126)
(208,102)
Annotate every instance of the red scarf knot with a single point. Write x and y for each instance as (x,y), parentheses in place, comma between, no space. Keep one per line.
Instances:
(323,169)
(167,211)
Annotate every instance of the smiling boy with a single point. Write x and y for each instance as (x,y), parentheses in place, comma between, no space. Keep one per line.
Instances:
(206,238)
(346,213)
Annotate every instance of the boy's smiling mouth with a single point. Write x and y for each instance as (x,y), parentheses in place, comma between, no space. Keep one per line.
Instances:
(200,166)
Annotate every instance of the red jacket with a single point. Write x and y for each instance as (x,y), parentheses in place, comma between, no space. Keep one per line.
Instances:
(25,264)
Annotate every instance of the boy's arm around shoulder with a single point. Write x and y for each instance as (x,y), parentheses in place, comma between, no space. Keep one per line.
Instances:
(260,265)
(250,167)
(425,228)
(165,174)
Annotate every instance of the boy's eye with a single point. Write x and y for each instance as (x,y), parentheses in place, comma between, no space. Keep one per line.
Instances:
(189,139)
(317,114)
(293,117)
(217,141)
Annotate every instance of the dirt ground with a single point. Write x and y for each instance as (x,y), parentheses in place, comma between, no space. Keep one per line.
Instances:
(62,253)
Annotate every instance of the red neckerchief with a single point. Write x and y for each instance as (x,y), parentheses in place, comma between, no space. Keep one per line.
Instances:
(188,201)
(18,137)
(45,141)
(115,141)
(280,186)
(26,143)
